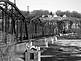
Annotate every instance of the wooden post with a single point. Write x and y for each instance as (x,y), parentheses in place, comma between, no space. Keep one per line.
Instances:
(39,55)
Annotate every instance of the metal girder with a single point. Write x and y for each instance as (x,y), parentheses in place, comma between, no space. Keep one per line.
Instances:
(15,8)
(15,14)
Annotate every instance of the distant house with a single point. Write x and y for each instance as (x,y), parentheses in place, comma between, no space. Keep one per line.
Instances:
(75,26)
(64,16)
(55,15)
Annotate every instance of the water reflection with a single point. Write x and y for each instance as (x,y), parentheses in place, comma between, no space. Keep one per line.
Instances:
(60,55)
(60,59)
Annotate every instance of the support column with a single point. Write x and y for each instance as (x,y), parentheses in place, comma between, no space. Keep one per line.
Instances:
(26,29)
(21,31)
(2,21)
(17,32)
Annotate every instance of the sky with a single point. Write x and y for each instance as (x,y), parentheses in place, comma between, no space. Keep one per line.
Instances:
(51,5)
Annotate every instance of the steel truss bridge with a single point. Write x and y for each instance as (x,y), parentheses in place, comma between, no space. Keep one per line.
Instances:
(14,25)
(12,22)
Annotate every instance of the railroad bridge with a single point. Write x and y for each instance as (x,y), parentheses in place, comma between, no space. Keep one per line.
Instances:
(12,21)
(15,27)
(14,31)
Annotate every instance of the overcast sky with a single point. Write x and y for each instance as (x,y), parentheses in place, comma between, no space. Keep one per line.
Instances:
(51,5)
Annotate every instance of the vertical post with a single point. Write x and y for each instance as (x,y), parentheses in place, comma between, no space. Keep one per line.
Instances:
(17,31)
(8,23)
(6,19)
(14,32)
(2,21)
(12,20)
(46,42)
(26,55)
(42,31)
(26,30)
(3,26)
(6,30)
(55,38)
(39,54)
(4,37)
(35,30)
(52,40)
(21,31)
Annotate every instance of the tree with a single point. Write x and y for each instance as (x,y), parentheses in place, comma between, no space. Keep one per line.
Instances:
(75,14)
(67,13)
(59,13)
(25,13)
(40,12)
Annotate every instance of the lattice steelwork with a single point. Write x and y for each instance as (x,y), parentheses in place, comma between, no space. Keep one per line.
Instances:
(12,22)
